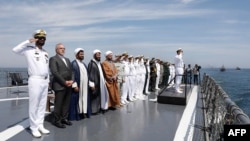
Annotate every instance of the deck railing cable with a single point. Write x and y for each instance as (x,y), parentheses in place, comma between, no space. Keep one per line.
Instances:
(219,109)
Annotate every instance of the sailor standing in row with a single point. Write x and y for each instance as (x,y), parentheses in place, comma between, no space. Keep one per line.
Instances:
(120,69)
(172,74)
(158,70)
(132,78)
(142,74)
(38,70)
(125,85)
(179,70)
(147,68)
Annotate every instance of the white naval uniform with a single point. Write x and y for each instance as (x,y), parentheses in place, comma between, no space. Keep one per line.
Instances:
(172,74)
(38,70)
(158,70)
(137,79)
(125,85)
(132,80)
(178,61)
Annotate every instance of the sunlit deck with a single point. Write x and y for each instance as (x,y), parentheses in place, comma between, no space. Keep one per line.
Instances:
(142,120)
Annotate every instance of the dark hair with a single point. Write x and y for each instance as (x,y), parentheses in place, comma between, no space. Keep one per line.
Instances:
(198,68)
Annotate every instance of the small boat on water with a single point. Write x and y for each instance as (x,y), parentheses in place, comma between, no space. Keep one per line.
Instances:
(222,68)
(237,68)
(175,114)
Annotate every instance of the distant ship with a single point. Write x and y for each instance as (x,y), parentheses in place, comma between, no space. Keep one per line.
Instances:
(237,68)
(222,68)
(183,119)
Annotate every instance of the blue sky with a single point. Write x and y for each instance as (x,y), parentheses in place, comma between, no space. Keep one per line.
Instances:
(212,33)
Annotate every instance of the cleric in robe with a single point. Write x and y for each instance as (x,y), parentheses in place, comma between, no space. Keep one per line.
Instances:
(99,93)
(80,99)
(110,74)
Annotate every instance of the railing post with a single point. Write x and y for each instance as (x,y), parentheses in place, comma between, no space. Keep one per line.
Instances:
(219,109)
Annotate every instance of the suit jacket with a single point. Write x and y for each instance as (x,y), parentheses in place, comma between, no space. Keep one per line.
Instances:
(60,72)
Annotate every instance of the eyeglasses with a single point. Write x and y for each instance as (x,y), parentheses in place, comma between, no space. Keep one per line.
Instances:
(40,38)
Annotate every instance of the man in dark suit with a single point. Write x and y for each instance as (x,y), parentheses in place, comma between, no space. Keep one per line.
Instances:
(61,70)
(153,75)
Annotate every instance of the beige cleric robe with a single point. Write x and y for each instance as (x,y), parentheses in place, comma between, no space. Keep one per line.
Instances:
(110,74)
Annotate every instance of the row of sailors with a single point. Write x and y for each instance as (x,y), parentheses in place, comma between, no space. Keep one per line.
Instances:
(131,77)
(134,75)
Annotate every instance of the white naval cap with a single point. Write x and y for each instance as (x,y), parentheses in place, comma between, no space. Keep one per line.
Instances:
(108,52)
(130,56)
(77,50)
(39,33)
(179,49)
(125,54)
(95,51)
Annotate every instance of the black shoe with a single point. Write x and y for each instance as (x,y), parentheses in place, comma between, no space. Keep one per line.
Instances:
(104,111)
(112,108)
(65,121)
(59,125)
(96,113)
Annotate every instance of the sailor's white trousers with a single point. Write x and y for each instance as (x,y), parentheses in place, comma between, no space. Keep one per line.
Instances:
(38,91)
(178,77)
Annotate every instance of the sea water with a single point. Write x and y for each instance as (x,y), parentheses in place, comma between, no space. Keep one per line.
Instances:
(5,80)
(236,83)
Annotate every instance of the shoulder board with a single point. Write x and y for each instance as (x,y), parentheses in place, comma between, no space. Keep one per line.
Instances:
(31,46)
(44,50)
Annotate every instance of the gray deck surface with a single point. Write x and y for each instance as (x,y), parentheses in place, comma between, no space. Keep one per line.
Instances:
(142,120)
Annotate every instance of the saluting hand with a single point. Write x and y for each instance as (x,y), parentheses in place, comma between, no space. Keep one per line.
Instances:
(32,40)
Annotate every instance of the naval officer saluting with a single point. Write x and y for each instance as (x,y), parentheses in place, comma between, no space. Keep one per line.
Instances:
(179,70)
(38,70)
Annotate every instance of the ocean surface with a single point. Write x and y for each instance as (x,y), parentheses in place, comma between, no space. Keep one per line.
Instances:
(236,83)
(5,81)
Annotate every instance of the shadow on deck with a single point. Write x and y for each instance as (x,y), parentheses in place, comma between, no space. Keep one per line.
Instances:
(169,96)
(141,120)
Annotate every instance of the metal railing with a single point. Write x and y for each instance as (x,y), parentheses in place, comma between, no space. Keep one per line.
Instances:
(219,109)
(5,80)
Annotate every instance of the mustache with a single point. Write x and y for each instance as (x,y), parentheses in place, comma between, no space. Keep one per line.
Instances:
(40,43)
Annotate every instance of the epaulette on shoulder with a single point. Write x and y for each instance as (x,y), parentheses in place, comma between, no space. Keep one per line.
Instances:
(31,46)
(44,50)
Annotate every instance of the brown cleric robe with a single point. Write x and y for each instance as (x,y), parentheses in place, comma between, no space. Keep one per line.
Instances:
(110,74)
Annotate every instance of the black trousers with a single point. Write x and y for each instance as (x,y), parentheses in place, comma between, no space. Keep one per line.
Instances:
(62,103)
(152,82)
(196,79)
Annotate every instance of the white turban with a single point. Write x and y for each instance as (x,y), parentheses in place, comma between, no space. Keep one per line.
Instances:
(108,52)
(77,50)
(95,51)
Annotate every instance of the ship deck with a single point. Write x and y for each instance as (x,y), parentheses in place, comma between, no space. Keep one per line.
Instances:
(141,120)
